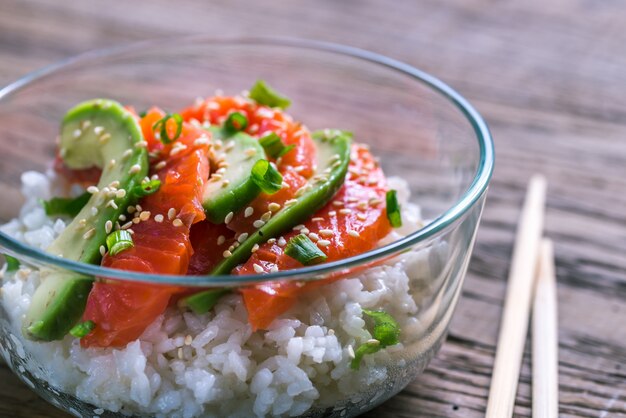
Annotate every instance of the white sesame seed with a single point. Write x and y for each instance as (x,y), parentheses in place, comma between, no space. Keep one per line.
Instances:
(255,247)
(94,211)
(114,184)
(248,212)
(188,340)
(85,124)
(112,204)
(77,133)
(136,168)
(108,226)
(203,140)
(221,239)
(374,201)
(82,222)
(112,163)
(327,232)
(250,152)
(127,153)
(105,137)
(171,213)
(373,341)
(258,223)
(229,145)
(120,193)
(351,352)
(299,168)
(229,217)
(298,227)
(317,219)
(89,233)
(243,237)
(142,144)
(177,222)
(291,202)
(131,209)
(274,269)
(130,231)
(304,231)
(353,233)
(271,241)
(93,189)
(144,215)
(136,220)
(266,216)
(282,241)
(345,211)
(361,216)
(154,177)
(160,165)
(257,268)
(337,203)
(227,254)
(127,225)
(323,243)
(273,207)
(122,217)
(314,236)
(225,184)
(158,218)
(98,130)
(103,250)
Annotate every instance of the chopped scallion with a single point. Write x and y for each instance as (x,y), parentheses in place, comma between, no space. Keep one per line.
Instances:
(146,188)
(161,125)
(236,122)
(12,263)
(273,145)
(386,332)
(82,329)
(119,241)
(302,249)
(265,175)
(263,94)
(202,302)
(393,209)
(64,205)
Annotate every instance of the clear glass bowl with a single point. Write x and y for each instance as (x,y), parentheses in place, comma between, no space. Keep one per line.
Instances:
(421,129)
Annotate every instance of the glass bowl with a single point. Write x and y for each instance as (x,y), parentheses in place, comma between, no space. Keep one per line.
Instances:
(422,131)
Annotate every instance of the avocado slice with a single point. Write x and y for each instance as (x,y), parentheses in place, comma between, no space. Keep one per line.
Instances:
(234,188)
(94,133)
(333,157)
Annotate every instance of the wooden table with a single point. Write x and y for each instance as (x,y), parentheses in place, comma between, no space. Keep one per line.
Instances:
(550,79)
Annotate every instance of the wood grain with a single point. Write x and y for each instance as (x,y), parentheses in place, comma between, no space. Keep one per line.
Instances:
(548,77)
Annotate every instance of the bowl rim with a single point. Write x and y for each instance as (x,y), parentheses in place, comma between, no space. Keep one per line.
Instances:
(474,192)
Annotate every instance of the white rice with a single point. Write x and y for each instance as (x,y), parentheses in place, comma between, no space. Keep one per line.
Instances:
(300,364)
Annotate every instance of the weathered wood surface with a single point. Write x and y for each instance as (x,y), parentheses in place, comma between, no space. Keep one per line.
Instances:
(550,79)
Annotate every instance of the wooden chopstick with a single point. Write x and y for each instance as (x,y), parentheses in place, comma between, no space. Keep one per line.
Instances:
(514,326)
(545,338)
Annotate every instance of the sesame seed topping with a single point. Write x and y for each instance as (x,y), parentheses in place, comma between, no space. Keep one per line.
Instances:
(221,239)
(258,223)
(250,152)
(361,216)
(304,231)
(160,165)
(154,177)
(98,130)
(327,232)
(112,204)
(291,202)
(108,226)
(114,184)
(103,250)
(177,222)
(127,225)
(139,208)
(314,236)
(274,269)
(353,233)
(85,124)
(203,140)
(273,207)
(298,227)
(77,133)
(112,163)
(373,341)
(248,212)
(229,217)
(257,268)
(255,248)
(282,241)
(227,254)
(158,218)
(171,213)
(94,211)
(89,233)
(122,217)
(127,153)
(337,203)
(271,240)
(82,222)
(317,219)
(243,237)
(188,340)
(374,201)
(105,137)
(131,209)
(136,168)
(345,211)
(120,193)
(93,189)
(136,220)
(142,144)
(351,352)
(299,168)
(225,184)
(229,145)
(144,215)
(266,216)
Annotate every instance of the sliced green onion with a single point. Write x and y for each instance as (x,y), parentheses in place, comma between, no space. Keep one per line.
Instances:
(64,205)
(202,302)
(330,135)
(386,332)
(12,263)
(266,177)
(393,209)
(146,188)
(82,329)
(263,94)
(302,249)
(119,241)
(273,145)
(143,114)
(236,122)
(161,125)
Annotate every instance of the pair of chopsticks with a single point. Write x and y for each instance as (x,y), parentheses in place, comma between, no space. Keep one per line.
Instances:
(531,283)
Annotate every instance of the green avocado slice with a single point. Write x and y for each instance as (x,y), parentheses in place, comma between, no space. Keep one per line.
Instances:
(234,188)
(333,157)
(94,133)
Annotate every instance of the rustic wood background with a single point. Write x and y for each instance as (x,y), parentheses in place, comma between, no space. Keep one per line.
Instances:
(549,77)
